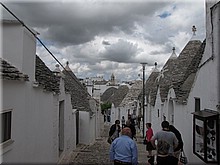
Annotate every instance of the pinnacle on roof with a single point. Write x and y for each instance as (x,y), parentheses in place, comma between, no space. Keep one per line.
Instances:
(57,69)
(173,55)
(67,67)
(194,30)
(155,68)
(194,37)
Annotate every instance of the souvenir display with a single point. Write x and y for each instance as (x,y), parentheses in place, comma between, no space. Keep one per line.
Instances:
(205,136)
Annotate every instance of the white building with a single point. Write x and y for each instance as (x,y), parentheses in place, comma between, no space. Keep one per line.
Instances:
(42,122)
(186,86)
(206,91)
(96,86)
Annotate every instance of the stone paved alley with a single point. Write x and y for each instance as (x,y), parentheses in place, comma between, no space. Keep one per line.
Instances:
(98,152)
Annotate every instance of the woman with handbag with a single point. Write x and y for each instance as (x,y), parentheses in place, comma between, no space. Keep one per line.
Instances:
(149,134)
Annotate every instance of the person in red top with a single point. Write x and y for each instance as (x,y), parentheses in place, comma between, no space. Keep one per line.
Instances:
(149,134)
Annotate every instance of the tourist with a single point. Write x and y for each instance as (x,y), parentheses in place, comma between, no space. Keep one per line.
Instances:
(115,130)
(166,135)
(123,122)
(179,147)
(132,127)
(163,157)
(123,150)
(149,134)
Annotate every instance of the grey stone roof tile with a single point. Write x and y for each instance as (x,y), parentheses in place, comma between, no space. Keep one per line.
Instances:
(9,72)
(177,73)
(107,94)
(79,94)
(183,88)
(133,93)
(151,87)
(45,77)
(119,95)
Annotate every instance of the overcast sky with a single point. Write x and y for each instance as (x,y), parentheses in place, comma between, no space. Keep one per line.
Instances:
(101,37)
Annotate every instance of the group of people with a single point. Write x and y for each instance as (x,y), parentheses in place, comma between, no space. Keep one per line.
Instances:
(123,149)
(168,143)
(115,129)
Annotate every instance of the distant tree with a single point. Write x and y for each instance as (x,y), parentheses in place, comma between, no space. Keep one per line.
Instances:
(105,106)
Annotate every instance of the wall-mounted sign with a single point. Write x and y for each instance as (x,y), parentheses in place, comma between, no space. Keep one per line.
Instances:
(205,135)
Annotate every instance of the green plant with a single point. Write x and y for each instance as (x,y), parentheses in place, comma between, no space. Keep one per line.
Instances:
(105,106)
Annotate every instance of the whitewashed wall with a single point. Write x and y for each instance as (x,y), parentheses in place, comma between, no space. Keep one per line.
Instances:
(69,123)
(99,121)
(87,128)
(118,112)
(24,48)
(113,114)
(207,86)
(35,112)
(32,126)
(155,120)
(183,121)
(95,117)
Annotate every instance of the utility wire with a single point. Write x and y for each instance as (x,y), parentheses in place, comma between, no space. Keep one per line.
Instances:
(22,23)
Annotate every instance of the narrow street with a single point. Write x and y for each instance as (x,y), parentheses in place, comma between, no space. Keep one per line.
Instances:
(98,152)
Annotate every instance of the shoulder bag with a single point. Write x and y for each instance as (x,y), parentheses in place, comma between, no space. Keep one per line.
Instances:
(183,158)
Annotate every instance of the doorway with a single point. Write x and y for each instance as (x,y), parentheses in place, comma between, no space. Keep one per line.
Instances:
(61,127)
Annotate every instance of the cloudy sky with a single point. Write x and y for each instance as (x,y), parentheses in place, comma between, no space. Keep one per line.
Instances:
(101,37)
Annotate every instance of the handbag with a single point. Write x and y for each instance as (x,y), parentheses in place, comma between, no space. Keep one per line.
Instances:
(109,140)
(183,158)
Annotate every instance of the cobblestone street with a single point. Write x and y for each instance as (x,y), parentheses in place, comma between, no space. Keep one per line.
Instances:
(98,152)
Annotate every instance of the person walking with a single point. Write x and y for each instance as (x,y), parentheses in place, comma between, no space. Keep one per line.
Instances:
(114,131)
(123,122)
(132,127)
(163,157)
(123,150)
(166,135)
(149,134)
(179,147)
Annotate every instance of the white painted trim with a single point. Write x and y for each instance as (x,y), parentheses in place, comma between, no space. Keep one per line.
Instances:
(6,146)
(6,110)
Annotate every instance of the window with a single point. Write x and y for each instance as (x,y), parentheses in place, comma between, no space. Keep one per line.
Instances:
(6,126)
(158,113)
(197,104)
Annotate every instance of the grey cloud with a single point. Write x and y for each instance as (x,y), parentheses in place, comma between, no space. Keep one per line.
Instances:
(73,23)
(70,26)
(167,48)
(106,42)
(122,51)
